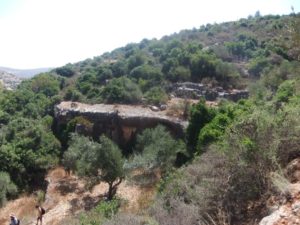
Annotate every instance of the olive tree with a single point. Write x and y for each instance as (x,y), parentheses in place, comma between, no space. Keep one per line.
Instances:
(97,161)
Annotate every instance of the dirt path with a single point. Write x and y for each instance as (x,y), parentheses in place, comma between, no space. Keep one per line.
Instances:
(67,196)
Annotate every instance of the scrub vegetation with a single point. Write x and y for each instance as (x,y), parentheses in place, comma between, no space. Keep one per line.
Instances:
(218,174)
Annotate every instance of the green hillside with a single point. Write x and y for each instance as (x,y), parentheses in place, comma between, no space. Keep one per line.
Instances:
(220,173)
(227,55)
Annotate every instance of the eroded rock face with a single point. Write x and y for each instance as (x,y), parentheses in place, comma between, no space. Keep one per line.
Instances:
(119,122)
(285,208)
(286,212)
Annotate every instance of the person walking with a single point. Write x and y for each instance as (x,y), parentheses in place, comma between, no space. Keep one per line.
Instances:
(41,212)
(14,220)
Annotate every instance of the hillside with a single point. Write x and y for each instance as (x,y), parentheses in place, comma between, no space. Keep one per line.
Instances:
(213,113)
(229,55)
(25,73)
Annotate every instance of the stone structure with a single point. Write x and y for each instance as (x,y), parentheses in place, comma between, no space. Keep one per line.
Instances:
(120,122)
(196,90)
(188,90)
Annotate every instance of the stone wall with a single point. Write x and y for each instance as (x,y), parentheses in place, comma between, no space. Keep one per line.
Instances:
(196,90)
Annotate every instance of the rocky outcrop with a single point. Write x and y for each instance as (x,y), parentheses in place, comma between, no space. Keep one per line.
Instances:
(120,122)
(287,210)
(285,207)
(188,90)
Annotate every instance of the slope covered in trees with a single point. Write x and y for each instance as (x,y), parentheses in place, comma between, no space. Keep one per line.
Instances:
(229,151)
(226,54)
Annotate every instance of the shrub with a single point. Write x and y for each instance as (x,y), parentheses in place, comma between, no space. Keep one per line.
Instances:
(236,48)
(287,135)
(7,187)
(227,73)
(122,90)
(200,115)
(72,95)
(212,131)
(179,73)
(285,91)
(40,195)
(257,66)
(203,65)
(28,151)
(194,194)
(155,149)
(156,96)
(44,83)
(4,118)
(251,147)
(108,209)
(104,74)
(150,74)
(65,71)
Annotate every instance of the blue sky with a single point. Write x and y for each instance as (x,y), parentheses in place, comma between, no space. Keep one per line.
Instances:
(43,33)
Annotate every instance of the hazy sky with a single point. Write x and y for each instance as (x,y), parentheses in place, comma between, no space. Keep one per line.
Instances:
(50,33)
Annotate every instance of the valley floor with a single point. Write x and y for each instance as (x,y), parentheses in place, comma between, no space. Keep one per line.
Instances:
(66,197)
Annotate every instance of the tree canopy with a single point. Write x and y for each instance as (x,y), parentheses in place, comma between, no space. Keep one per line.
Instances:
(99,161)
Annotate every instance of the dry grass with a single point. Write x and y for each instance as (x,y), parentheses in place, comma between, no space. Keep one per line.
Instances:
(22,208)
(66,196)
(146,198)
(58,173)
(281,183)
(178,107)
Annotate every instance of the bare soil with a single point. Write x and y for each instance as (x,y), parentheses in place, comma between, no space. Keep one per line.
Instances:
(66,196)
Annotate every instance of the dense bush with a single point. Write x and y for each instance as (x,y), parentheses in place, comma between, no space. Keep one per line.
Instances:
(7,187)
(179,73)
(28,148)
(194,194)
(257,66)
(150,76)
(122,90)
(200,115)
(65,71)
(214,130)
(72,95)
(203,65)
(156,96)
(285,91)
(155,149)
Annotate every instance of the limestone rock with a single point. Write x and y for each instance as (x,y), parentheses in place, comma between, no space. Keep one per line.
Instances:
(119,122)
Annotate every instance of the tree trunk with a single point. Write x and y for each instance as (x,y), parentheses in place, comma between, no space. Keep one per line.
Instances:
(112,189)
